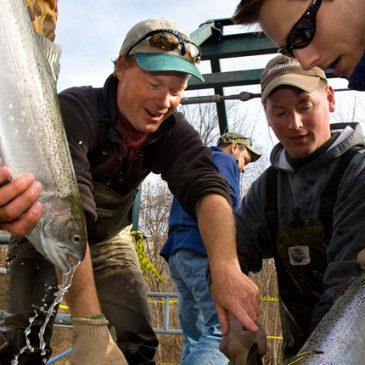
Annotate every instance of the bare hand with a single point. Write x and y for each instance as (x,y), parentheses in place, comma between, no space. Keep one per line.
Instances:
(20,209)
(236,293)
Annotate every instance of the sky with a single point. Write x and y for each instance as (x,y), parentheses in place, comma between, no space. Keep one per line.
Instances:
(90,33)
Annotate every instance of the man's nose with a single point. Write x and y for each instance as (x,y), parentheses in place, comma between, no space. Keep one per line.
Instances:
(308,57)
(163,99)
(295,121)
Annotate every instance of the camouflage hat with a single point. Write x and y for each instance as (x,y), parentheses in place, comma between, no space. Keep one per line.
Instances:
(233,137)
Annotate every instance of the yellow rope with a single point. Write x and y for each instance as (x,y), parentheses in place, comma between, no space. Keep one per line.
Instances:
(301,356)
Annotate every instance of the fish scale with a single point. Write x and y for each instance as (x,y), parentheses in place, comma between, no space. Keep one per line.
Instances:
(340,336)
(32,136)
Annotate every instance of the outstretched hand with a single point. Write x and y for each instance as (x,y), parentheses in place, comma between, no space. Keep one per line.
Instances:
(20,209)
(235,293)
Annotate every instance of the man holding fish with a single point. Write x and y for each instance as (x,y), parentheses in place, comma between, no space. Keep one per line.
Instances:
(117,136)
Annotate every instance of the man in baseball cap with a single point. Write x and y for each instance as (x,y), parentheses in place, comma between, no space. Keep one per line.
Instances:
(187,258)
(160,45)
(304,210)
(243,144)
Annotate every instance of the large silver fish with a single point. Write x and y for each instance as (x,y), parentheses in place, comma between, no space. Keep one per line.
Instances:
(340,337)
(32,136)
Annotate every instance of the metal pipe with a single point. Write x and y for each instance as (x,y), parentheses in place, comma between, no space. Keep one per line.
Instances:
(243,96)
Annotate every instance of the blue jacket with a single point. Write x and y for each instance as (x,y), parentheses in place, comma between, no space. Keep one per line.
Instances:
(357,79)
(183,230)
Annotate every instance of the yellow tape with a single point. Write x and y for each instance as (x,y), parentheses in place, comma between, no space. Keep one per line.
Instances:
(175,301)
(144,262)
(280,338)
(269,299)
(162,301)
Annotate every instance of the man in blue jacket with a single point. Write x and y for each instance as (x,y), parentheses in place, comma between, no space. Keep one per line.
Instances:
(187,257)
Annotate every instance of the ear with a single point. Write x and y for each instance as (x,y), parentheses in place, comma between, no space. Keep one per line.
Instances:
(330,98)
(233,148)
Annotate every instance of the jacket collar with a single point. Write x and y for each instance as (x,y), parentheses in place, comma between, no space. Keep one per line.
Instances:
(357,79)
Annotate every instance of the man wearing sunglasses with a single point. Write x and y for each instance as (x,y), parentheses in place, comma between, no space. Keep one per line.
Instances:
(118,135)
(306,210)
(323,33)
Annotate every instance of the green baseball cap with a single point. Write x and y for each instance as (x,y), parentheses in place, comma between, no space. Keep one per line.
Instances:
(160,45)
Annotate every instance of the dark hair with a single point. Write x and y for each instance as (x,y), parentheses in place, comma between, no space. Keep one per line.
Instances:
(129,61)
(247,11)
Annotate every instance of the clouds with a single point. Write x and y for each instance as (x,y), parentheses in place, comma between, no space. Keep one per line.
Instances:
(91,32)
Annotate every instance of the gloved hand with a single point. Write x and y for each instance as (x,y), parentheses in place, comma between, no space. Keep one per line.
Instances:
(361,258)
(243,347)
(94,344)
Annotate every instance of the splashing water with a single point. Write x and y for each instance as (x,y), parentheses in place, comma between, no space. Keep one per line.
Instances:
(62,289)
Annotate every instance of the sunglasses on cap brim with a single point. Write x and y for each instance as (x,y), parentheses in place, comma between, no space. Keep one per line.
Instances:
(170,40)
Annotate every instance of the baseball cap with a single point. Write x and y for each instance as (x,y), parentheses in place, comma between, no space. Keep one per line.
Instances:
(160,45)
(283,70)
(233,137)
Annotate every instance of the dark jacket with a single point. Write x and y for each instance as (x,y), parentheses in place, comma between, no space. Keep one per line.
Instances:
(108,182)
(309,284)
(357,79)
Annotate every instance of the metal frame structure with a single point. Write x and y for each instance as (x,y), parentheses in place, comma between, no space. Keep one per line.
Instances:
(216,45)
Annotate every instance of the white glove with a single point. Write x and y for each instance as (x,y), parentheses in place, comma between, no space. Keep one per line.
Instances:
(94,344)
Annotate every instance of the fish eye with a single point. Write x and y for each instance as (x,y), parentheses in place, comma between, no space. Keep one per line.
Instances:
(76,238)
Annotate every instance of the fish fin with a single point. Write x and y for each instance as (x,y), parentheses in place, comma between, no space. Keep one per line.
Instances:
(52,53)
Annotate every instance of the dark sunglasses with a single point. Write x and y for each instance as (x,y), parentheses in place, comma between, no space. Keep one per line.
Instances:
(170,40)
(303,30)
